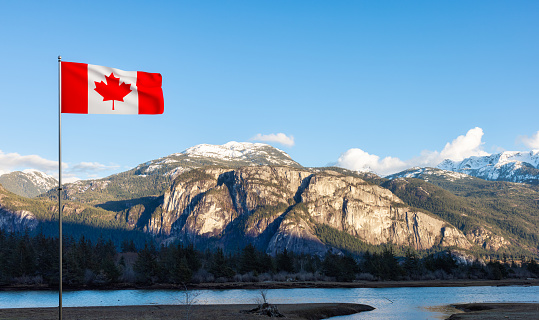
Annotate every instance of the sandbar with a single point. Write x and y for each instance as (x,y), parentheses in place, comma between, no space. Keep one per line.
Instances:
(473,311)
(310,311)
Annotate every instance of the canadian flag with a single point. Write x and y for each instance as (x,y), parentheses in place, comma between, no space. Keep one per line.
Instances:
(87,88)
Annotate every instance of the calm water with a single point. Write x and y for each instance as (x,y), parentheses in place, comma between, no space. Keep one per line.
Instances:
(390,303)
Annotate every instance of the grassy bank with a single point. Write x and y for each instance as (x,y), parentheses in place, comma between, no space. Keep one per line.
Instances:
(289,285)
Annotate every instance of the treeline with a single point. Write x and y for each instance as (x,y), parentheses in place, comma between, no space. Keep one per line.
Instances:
(34,260)
(26,260)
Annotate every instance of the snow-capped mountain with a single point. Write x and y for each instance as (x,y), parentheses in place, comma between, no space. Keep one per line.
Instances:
(511,166)
(230,195)
(425,173)
(155,175)
(28,183)
(257,153)
(231,154)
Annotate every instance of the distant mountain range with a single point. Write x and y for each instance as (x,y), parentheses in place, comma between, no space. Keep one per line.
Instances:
(238,193)
(511,166)
(28,183)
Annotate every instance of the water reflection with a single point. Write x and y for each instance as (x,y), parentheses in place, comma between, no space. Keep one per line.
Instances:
(390,303)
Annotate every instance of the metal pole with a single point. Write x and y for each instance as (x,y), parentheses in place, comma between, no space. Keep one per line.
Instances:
(60,182)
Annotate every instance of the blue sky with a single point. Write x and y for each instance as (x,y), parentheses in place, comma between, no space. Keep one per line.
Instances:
(379,84)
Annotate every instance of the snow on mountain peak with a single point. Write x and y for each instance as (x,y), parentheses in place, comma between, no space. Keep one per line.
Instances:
(39,178)
(230,150)
(515,166)
(229,154)
(531,157)
(28,183)
(424,173)
(32,171)
(496,160)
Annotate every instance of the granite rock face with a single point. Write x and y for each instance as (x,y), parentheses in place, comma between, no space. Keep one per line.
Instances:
(487,239)
(279,208)
(17,221)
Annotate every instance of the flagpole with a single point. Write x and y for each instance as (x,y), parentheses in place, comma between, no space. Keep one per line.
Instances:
(60,183)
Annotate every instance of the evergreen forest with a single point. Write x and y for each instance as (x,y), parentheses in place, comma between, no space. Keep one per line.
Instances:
(32,261)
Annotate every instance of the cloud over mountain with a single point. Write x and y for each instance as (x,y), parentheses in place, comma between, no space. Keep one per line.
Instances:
(465,146)
(530,142)
(359,160)
(280,138)
(460,148)
(91,167)
(13,161)
(10,162)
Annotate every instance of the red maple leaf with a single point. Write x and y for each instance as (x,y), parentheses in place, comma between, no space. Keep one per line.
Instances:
(112,90)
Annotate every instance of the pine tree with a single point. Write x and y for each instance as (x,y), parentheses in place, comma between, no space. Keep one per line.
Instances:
(348,268)
(219,266)
(248,260)
(145,267)
(330,266)
(533,267)
(181,272)
(285,262)
(412,264)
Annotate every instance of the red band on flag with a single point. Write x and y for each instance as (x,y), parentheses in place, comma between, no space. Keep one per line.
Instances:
(74,87)
(150,94)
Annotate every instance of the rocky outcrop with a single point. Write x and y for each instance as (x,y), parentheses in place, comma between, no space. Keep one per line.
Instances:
(375,215)
(278,208)
(297,235)
(17,221)
(211,215)
(182,200)
(487,239)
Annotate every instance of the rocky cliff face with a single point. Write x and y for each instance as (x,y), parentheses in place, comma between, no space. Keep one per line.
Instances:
(486,239)
(279,207)
(17,221)
(374,214)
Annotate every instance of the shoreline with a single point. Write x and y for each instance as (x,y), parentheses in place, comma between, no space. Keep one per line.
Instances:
(493,310)
(309,311)
(287,285)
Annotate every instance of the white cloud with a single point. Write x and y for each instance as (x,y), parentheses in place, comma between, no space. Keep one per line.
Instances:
(13,161)
(530,142)
(465,146)
(69,179)
(10,162)
(462,147)
(90,168)
(279,138)
(87,170)
(359,160)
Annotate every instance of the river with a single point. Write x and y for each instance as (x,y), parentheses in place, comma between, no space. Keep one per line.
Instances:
(390,303)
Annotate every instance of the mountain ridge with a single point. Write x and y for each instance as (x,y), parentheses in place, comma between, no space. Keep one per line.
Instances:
(513,166)
(225,196)
(28,183)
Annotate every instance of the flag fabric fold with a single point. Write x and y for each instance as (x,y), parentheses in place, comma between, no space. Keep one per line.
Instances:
(92,89)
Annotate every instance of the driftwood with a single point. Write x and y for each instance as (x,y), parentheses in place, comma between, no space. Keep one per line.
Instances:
(265,309)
